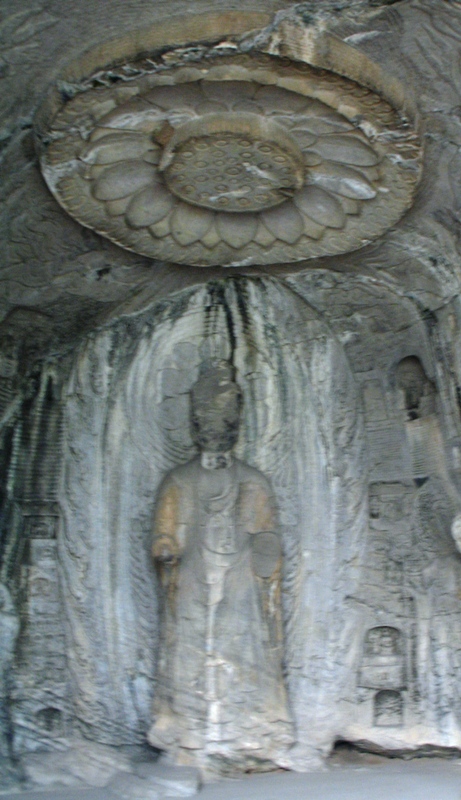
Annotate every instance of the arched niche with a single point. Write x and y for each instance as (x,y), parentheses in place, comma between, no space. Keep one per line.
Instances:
(383,641)
(417,390)
(127,423)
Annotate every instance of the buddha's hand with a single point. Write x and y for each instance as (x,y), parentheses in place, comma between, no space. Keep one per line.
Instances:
(165,549)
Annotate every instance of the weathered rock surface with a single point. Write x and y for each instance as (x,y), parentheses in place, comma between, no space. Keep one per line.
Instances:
(83,764)
(157,780)
(350,370)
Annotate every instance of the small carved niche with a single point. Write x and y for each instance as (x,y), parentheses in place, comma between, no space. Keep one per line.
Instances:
(417,390)
(388,709)
(390,503)
(41,527)
(383,662)
(50,720)
(383,641)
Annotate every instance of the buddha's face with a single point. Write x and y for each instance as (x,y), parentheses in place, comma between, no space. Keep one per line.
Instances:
(215,422)
(215,409)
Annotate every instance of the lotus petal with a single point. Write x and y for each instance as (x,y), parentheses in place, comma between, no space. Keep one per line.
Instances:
(210,107)
(93,172)
(126,91)
(311,158)
(312,229)
(346,150)
(285,222)
(248,105)
(123,179)
(320,206)
(371,173)
(275,99)
(189,223)
(160,229)
(287,120)
(228,72)
(100,132)
(303,137)
(180,116)
(135,115)
(116,147)
(171,97)
(342,180)
(263,236)
(188,74)
(307,122)
(212,237)
(321,113)
(149,206)
(228,92)
(152,156)
(236,229)
(322,127)
(351,207)
(115,208)
(82,105)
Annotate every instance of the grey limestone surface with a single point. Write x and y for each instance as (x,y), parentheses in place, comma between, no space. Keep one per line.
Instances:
(350,371)
(422,779)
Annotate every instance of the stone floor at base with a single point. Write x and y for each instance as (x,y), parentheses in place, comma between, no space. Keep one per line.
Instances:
(367,778)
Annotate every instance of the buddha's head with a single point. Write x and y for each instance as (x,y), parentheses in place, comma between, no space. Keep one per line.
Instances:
(215,408)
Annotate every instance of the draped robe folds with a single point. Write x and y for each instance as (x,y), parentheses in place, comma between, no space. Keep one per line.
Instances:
(220,689)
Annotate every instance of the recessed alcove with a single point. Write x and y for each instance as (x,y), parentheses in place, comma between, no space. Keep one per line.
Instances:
(272,194)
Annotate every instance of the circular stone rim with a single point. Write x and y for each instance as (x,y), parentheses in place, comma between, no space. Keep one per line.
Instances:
(341,65)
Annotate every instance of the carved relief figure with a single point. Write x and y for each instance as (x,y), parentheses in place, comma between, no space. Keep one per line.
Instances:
(383,665)
(9,628)
(220,692)
(383,641)
(417,390)
(388,709)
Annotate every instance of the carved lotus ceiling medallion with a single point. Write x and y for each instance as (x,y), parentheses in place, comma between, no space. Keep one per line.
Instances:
(232,161)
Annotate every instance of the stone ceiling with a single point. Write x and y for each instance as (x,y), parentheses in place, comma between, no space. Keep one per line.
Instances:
(60,279)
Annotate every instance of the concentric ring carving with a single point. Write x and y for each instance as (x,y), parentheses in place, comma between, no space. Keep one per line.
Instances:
(234,161)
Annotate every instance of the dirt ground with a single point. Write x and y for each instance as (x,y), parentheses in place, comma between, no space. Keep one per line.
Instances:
(348,777)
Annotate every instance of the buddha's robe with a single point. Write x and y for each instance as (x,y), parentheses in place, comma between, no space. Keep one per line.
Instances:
(220,687)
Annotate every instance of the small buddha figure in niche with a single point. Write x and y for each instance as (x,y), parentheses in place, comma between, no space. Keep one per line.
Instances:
(418,391)
(220,697)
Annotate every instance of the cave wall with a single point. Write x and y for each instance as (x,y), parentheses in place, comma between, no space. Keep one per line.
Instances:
(350,372)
